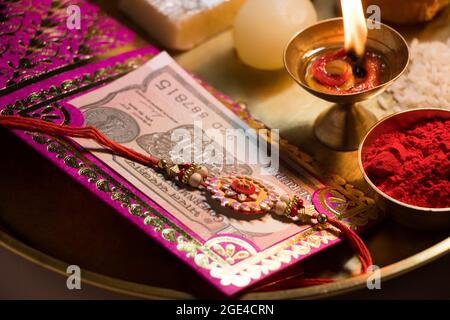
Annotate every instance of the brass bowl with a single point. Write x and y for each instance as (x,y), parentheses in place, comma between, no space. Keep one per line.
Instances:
(409,215)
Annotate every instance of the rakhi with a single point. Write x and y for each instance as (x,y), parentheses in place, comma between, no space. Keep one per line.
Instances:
(243,195)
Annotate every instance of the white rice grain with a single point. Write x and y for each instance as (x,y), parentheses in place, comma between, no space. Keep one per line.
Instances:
(426,83)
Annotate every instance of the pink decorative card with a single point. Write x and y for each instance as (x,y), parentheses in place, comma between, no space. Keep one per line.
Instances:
(147,109)
(41,37)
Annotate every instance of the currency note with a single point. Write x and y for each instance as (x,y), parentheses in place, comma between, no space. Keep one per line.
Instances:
(160,108)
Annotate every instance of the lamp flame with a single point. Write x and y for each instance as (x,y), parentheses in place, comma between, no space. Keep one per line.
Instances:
(355,26)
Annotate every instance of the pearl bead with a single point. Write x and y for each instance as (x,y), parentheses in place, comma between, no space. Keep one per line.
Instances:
(195,179)
(203,171)
(280,206)
(284,198)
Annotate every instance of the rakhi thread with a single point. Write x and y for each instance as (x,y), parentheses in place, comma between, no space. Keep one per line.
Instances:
(187,170)
(87,132)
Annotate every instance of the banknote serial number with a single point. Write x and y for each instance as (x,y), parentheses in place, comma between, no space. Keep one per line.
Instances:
(179,96)
(230,309)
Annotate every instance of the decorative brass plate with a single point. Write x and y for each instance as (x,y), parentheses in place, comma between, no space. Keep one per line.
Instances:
(133,265)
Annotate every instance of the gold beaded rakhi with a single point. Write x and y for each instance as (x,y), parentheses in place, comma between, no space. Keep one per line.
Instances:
(241,194)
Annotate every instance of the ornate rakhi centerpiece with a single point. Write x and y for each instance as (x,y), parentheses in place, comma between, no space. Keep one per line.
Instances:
(242,194)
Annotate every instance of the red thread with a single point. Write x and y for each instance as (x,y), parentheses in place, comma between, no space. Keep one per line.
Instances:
(358,246)
(34,125)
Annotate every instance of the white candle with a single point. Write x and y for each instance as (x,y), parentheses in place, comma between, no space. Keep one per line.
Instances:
(262,28)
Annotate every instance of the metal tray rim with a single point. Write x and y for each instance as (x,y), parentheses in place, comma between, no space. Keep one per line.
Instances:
(138,290)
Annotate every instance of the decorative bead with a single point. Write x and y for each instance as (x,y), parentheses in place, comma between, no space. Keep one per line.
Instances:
(204,172)
(195,179)
(284,198)
(172,171)
(230,193)
(189,170)
(293,213)
(181,174)
(322,218)
(280,206)
(264,206)
(243,186)
(235,205)
(241,197)
(162,164)
(237,190)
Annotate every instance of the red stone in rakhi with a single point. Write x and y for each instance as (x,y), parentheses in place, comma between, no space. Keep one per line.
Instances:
(243,186)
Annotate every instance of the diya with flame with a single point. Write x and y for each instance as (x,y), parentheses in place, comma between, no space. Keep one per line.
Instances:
(342,61)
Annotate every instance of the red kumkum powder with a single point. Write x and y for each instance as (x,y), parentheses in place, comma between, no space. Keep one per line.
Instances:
(413,165)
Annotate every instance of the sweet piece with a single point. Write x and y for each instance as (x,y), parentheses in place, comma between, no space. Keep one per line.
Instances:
(179,24)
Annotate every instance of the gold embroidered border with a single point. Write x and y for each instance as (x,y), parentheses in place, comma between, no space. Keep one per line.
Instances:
(72,86)
(84,52)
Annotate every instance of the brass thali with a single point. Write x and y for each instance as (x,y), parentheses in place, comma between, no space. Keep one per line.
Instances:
(116,257)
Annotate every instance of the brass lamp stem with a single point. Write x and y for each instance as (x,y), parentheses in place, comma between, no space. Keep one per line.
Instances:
(343,126)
